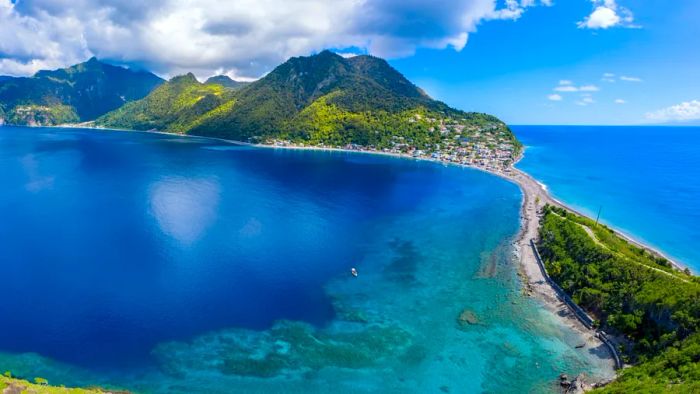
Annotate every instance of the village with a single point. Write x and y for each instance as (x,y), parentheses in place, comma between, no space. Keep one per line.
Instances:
(487,146)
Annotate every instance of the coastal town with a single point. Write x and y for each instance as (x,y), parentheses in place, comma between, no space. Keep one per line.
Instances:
(489,146)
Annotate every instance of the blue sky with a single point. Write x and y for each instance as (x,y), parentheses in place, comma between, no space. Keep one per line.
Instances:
(509,68)
(526,61)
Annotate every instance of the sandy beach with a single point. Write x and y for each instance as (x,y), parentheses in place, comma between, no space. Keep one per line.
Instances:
(534,198)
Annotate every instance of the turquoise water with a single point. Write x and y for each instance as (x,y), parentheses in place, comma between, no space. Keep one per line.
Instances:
(186,265)
(645,179)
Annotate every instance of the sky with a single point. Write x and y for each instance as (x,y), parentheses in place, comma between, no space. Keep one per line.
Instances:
(525,61)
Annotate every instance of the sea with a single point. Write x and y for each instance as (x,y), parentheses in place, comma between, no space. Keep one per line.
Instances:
(641,180)
(162,264)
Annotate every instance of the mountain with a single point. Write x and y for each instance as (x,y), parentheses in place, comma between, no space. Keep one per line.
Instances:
(78,93)
(319,99)
(175,106)
(225,81)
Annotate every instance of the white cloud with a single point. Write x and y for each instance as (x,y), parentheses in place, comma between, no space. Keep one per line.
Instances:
(348,55)
(683,112)
(589,88)
(567,86)
(555,97)
(630,79)
(607,14)
(244,38)
(586,99)
(608,77)
(620,101)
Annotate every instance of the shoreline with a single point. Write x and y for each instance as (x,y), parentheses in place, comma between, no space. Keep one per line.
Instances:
(535,196)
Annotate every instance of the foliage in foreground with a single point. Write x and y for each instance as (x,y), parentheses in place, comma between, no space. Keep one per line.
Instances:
(675,370)
(40,386)
(632,293)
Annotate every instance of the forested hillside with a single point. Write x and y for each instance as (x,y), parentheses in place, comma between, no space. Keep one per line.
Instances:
(632,293)
(78,93)
(323,99)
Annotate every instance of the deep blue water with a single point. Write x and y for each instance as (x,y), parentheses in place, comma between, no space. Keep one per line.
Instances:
(646,179)
(166,264)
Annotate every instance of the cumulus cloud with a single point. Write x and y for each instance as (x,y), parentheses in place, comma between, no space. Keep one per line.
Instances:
(555,97)
(607,14)
(243,38)
(567,86)
(683,112)
(589,88)
(630,79)
(620,101)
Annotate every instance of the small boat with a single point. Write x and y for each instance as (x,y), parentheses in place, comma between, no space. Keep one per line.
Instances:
(353,271)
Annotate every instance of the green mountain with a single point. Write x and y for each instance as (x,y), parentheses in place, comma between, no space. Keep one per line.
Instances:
(319,99)
(225,81)
(175,106)
(78,93)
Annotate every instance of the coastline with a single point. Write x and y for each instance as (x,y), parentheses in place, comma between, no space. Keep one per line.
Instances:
(535,196)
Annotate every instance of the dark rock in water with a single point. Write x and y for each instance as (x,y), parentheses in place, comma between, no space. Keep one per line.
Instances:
(563,377)
(467,317)
(577,386)
(444,389)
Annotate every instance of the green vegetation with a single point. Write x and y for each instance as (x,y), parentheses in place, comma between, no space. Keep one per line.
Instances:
(323,99)
(175,106)
(78,93)
(675,370)
(633,294)
(226,82)
(42,115)
(40,386)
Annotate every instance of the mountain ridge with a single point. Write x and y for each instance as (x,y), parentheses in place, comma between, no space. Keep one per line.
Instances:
(77,93)
(226,81)
(318,99)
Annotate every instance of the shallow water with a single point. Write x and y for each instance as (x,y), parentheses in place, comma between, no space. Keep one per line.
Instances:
(165,264)
(645,179)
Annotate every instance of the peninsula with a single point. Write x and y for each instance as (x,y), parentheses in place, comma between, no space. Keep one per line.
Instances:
(326,101)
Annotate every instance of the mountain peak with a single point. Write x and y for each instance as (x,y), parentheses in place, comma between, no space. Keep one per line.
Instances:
(88,89)
(225,81)
(186,78)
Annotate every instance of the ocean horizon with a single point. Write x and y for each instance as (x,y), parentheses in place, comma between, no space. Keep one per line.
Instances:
(642,179)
